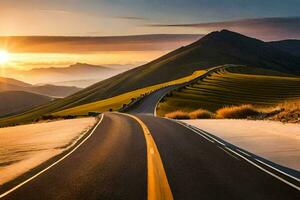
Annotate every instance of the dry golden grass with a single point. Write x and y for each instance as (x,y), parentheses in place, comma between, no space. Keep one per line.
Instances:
(290,105)
(290,112)
(178,115)
(201,114)
(237,112)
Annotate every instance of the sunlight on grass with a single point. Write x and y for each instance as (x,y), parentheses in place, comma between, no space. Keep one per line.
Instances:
(225,88)
(117,102)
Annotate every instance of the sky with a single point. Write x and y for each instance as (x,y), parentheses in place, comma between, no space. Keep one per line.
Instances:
(187,19)
(134,17)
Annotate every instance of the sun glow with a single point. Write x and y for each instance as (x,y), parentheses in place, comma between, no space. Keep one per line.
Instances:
(4,56)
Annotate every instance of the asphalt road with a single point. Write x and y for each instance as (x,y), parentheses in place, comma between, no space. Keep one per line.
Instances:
(111,164)
(148,103)
(117,161)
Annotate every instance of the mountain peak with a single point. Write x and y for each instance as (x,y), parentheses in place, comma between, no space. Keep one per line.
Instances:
(226,36)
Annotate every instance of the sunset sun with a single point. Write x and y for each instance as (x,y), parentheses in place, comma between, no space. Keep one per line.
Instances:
(4,56)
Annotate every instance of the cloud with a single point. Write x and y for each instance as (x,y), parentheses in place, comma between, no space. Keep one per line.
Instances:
(273,28)
(131,18)
(65,44)
(56,11)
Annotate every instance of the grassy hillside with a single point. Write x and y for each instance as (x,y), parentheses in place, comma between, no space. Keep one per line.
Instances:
(54,91)
(13,102)
(116,103)
(217,48)
(104,105)
(232,86)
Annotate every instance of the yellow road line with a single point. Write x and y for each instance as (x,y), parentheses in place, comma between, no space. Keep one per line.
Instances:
(158,185)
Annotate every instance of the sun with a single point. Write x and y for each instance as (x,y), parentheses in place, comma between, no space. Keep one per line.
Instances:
(4,56)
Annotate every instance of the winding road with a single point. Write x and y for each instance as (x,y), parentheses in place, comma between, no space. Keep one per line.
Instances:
(140,156)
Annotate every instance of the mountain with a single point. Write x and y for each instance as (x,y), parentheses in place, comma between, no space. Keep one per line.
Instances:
(290,46)
(9,84)
(19,101)
(11,81)
(54,90)
(60,75)
(216,48)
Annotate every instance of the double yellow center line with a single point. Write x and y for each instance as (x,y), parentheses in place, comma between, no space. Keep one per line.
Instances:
(158,186)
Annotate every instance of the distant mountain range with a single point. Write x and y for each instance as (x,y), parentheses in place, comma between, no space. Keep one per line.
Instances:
(79,74)
(9,84)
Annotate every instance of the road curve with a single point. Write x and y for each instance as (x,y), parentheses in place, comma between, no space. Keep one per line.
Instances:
(113,163)
(148,104)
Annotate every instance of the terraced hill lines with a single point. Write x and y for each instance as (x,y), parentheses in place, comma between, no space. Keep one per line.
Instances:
(227,88)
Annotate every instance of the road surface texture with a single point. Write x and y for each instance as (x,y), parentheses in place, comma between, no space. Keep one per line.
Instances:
(141,156)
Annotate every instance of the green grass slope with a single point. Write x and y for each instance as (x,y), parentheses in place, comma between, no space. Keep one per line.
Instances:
(232,86)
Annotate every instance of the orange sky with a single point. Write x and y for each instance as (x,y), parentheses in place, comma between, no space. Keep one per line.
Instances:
(30,52)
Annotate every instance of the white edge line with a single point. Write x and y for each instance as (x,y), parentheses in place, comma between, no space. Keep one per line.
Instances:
(259,160)
(55,163)
(201,133)
(268,172)
(196,132)
(158,103)
(246,154)
(209,136)
(297,179)
(230,154)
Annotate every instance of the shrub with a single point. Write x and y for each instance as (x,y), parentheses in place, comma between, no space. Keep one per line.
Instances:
(178,115)
(202,114)
(290,112)
(237,112)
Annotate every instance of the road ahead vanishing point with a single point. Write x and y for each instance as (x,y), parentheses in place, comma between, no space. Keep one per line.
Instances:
(140,156)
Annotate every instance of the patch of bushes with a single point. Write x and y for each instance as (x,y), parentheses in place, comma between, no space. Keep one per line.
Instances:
(197,114)
(178,115)
(237,112)
(290,112)
(284,112)
(201,114)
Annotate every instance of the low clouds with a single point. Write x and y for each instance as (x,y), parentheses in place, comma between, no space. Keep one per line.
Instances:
(60,44)
(275,28)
